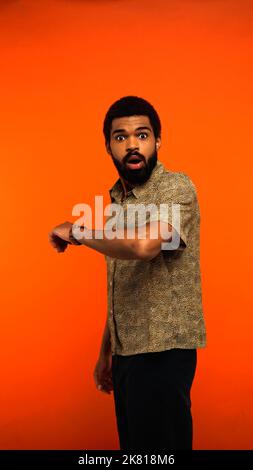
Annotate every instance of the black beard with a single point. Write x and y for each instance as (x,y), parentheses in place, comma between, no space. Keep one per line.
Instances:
(136,177)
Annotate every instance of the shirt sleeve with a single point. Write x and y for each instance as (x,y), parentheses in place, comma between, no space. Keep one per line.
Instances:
(177,205)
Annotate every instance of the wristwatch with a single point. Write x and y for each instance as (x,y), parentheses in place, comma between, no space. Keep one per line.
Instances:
(72,239)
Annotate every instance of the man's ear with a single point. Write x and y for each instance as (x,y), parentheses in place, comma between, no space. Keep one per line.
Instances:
(108,148)
(158,143)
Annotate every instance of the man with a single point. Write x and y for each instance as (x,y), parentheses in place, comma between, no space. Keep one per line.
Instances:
(155,322)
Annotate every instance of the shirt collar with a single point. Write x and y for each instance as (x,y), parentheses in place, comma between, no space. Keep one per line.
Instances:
(117,190)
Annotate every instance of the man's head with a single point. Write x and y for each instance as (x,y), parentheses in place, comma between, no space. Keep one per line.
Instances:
(132,132)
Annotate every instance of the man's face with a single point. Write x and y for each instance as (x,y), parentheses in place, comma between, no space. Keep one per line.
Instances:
(133,148)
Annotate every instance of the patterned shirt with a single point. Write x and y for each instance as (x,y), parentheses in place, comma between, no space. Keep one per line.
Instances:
(156,305)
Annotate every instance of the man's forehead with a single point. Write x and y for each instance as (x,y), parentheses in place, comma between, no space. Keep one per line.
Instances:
(130,122)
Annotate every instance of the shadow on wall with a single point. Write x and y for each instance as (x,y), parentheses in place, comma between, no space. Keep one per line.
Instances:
(5,3)
(90,1)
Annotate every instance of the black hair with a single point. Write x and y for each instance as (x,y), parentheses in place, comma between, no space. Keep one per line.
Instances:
(129,106)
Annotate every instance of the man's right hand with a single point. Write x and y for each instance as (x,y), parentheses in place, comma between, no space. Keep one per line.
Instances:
(103,373)
(59,236)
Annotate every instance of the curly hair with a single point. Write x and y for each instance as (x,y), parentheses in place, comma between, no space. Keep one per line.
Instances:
(129,106)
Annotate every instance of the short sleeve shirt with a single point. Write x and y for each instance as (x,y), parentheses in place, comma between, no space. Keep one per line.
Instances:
(156,305)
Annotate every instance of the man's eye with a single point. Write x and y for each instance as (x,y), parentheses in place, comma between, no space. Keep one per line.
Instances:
(143,134)
(118,137)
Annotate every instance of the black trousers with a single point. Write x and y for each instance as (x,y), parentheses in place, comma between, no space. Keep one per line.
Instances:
(152,399)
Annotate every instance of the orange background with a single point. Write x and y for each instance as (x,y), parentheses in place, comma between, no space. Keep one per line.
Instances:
(62,64)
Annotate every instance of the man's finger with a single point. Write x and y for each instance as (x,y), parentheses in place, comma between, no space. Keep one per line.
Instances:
(104,389)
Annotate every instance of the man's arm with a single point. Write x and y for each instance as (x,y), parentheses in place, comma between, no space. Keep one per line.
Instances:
(103,369)
(105,348)
(144,246)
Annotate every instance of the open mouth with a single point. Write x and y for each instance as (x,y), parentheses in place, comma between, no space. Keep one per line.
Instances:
(135,162)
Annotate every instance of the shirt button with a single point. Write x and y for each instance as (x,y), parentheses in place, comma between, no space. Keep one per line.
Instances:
(110,283)
(111,310)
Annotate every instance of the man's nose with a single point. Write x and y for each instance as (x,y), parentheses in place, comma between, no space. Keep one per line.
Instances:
(132,143)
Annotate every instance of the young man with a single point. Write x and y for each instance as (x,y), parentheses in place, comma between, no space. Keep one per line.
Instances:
(155,322)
